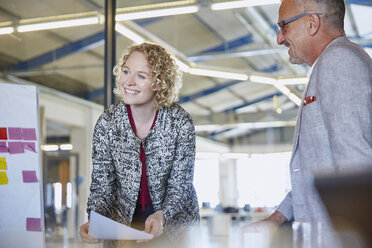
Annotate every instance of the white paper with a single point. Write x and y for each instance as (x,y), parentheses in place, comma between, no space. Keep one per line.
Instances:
(101,227)
(255,239)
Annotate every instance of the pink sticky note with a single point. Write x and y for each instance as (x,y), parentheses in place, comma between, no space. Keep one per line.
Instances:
(3,147)
(15,147)
(33,224)
(30,146)
(29,176)
(15,133)
(29,133)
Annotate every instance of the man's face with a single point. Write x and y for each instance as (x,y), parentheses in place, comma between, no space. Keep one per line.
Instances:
(292,35)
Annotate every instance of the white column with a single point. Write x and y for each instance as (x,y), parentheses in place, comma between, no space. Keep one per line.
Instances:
(228,183)
(81,139)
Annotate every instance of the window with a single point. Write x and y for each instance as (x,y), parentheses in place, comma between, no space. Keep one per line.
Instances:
(263,179)
(206,181)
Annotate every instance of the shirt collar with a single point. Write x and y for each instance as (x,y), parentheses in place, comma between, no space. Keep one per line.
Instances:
(308,74)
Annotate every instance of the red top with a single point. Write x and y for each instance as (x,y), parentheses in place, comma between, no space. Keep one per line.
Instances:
(144,196)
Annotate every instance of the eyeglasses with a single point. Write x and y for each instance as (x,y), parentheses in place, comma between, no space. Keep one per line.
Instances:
(281,24)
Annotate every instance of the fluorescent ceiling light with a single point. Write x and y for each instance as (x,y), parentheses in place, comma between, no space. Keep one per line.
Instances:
(262,79)
(207,128)
(49,148)
(242,4)
(288,93)
(58,24)
(294,99)
(183,67)
(7,30)
(245,125)
(65,147)
(58,196)
(279,84)
(157,13)
(266,124)
(294,80)
(69,195)
(129,33)
(219,74)
(156,5)
(282,89)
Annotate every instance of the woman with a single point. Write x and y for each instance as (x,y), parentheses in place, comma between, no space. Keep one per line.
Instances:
(144,148)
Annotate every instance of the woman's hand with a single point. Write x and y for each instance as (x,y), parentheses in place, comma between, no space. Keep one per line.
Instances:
(85,237)
(154,224)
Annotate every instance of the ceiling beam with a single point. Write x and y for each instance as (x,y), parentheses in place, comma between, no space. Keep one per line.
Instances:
(230,45)
(81,45)
(264,98)
(208,91)
(238,54)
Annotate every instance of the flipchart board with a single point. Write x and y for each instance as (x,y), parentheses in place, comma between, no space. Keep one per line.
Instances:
(21,198)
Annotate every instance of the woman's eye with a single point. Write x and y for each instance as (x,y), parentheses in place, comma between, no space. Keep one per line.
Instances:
(125,71)
(141,77)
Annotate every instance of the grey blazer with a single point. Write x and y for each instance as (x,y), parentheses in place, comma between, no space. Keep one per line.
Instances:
(170,157)
(333,133)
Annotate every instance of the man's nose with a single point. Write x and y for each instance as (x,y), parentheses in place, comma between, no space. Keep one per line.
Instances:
(280,38)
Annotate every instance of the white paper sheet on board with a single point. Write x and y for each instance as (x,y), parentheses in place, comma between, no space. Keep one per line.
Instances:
(101,227)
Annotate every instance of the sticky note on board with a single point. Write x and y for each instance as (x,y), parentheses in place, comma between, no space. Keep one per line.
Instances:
(2,163)
(15,133)
(15,147)
(29,133)
(30,146)
(3,133)
(3,147)
(33,224)
(3,178)
(29,176)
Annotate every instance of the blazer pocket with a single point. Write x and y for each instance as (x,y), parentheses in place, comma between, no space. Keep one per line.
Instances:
(311,116)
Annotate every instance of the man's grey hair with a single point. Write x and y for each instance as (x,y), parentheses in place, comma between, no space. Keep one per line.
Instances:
(333,11)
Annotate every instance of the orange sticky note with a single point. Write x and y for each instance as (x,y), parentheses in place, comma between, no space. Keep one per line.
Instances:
(2,163)
(3,178)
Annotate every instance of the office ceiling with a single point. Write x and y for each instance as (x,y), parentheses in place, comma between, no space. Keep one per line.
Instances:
(241,40)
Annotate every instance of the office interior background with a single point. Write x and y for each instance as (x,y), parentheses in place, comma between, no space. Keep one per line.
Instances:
(238,86)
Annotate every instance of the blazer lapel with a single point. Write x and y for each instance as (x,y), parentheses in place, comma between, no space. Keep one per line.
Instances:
(298,122)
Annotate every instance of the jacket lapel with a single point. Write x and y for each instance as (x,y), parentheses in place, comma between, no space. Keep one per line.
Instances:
(298,122)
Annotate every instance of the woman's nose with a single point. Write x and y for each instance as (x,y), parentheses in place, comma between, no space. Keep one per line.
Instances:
(129,80)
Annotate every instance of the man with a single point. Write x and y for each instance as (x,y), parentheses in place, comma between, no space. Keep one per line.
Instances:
(334,126)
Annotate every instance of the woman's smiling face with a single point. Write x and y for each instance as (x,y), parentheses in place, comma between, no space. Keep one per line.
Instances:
(136,81)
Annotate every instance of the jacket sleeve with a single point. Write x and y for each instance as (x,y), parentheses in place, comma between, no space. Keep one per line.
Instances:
(103,185)
(181,197)
(285,207)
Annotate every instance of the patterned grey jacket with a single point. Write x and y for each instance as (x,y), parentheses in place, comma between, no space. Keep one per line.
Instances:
(170,156)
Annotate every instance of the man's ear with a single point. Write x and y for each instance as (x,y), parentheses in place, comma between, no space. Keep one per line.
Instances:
(314,24)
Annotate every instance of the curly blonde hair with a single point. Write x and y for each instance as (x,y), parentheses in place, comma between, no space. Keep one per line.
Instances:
(166,78)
